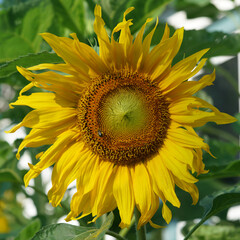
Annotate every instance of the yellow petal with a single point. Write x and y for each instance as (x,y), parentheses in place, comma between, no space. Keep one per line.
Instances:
(142,191)
(51,155)
(66,170)
(89,57)
(137,48)
(162,180)
(147,40)
(103,39)
(161,56)
(191,87)
(178,168)
(186,111)
(64,48)
(188,187)
(43,100)
(123,193)
(182,71)
(105,201)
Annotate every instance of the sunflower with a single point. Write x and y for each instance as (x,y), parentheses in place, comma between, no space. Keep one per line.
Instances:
(119,122)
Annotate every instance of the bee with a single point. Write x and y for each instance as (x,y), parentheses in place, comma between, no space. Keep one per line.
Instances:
(100,134)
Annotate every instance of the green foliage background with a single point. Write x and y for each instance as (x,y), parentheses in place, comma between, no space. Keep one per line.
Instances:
(21,21)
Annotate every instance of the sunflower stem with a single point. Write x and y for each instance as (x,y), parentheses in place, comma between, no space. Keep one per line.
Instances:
(141,232)
(125,231)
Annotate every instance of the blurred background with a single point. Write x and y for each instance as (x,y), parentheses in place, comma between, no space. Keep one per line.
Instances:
(207,23)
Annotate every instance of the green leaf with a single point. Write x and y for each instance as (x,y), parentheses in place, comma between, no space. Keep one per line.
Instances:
(67,19)
(70,232)
(29,60)
(6,153)
(37,20)
(225,153)
(29,231)
(12,46)
(220,43)
(231,170)
(99,234)
(217,202)
(8,175)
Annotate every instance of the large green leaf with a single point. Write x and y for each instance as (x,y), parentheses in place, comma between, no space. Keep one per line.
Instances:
(13,45)
(217,202)
(71,16)
(70,232)
(29,60)
(29,231)
(220,43)
(37,20)
(20,26)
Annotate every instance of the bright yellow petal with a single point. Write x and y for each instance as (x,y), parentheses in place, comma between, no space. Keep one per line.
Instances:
(103,39)
(142,191)
(182,71)
(162,180)
(104,201)
(89,57)
(161,56)
(51,155)
(64,48)
(61,67)
(191,87)
(185,138)
(137,48)
(83,200)
(66,170)
(186,111)
(147,40)
(43,100)
(174,165)
(123,193)
(188,187)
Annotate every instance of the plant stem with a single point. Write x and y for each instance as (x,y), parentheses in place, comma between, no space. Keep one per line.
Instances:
(141,233)
(124,231)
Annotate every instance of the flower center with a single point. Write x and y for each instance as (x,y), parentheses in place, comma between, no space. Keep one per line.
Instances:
(123,118)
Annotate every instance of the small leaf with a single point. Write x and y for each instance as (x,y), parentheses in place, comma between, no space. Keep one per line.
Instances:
(29,60)
(29,231)
(70,232)
(217,202)
(99,234)
(8,175)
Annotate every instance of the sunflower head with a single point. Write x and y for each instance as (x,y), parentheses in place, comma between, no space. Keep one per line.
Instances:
(121,123)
